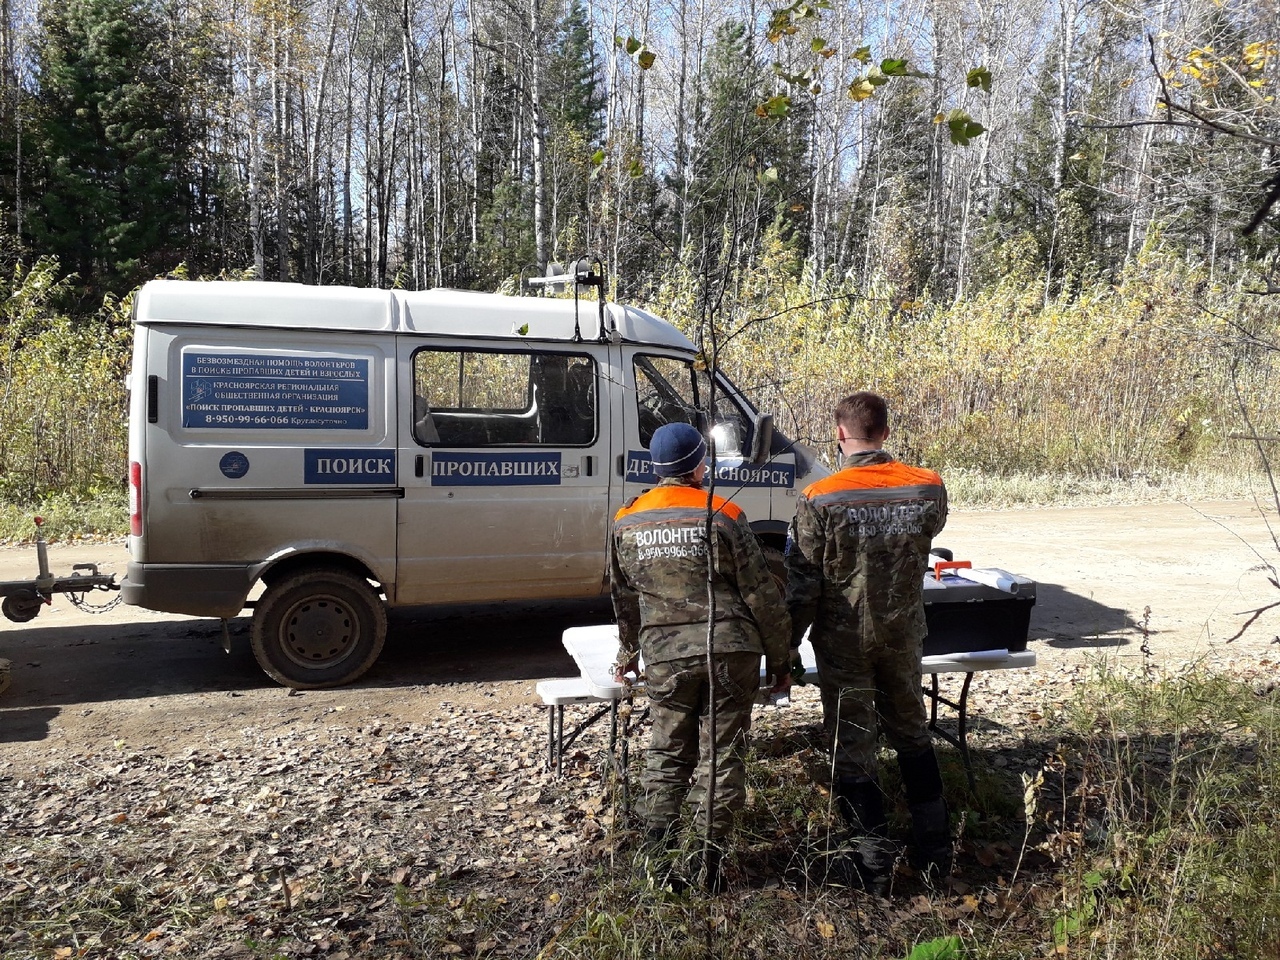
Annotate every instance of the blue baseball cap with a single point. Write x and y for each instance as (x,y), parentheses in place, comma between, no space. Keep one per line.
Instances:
(676,449)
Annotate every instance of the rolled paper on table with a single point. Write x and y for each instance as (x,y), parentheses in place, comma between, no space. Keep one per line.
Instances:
(989,578)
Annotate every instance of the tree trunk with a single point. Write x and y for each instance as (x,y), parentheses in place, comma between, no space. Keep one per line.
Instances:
(537,135)
(253,174)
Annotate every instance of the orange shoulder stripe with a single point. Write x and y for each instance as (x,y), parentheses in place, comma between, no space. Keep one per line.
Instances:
(872,477)
(666,498)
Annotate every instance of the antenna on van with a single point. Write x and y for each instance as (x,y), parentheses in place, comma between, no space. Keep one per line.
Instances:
(589,272)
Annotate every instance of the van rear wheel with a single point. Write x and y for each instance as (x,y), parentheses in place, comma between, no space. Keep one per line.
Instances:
(318,628)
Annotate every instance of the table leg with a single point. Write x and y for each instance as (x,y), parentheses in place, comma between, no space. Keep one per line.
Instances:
(559,739)
(551,737)
(962,727)
(961,739)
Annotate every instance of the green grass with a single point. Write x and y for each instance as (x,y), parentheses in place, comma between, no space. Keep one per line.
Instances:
(1153,829)
(1175,786)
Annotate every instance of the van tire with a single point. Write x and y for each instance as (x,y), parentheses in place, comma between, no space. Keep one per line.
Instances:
(318,628)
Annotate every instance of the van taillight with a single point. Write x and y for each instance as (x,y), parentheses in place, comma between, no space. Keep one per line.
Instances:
(135,499)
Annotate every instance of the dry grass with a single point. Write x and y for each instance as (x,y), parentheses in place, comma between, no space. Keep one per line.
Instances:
(974,489)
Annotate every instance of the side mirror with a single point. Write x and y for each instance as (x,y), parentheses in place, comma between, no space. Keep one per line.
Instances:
(762,442)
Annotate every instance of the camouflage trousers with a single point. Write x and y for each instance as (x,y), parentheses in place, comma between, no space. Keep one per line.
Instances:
(869,688)
(678,762)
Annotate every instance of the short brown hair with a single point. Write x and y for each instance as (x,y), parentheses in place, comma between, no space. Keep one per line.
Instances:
(864,415)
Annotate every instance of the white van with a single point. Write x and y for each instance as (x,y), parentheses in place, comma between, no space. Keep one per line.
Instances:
(351,450)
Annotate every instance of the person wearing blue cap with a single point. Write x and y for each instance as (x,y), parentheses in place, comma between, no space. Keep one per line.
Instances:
(659,573)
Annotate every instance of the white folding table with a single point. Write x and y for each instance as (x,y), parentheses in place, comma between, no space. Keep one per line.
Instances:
(595,650)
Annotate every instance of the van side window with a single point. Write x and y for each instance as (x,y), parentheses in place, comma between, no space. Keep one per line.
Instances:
(668,390)
(483,398)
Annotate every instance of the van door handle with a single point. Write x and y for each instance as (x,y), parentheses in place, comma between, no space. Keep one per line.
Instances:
(588,466)
(417,465)
(622,464)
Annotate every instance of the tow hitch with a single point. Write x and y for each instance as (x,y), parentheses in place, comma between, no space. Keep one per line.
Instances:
(24,598)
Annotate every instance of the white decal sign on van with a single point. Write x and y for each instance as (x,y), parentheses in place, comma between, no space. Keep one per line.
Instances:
(494,469)
(349,466)
(274,392)
(734,473)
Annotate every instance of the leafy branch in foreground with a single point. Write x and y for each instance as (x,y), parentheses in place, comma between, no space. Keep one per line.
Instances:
(812,57)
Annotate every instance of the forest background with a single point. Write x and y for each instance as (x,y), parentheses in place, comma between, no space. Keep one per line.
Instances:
(1021,220)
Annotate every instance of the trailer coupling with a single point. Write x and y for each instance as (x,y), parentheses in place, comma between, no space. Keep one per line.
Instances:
(24,598)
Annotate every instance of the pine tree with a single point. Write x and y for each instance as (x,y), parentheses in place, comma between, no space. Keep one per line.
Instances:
(111,135)
(575,89)
(751,172)
(575,102)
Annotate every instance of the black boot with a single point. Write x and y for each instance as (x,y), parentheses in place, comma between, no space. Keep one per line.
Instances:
(862,807)
(930,821)
(710,878)
(658,839)
(659,857)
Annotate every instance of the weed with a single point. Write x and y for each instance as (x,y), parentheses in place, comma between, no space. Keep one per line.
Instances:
(1176,782)
(66,519)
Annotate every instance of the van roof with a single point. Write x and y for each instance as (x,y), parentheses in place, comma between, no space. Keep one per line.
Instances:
(448,313)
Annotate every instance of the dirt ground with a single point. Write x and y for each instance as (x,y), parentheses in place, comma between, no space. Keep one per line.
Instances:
(81,681)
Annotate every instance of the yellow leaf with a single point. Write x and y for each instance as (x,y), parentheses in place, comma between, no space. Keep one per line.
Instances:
(220,903)
(554,898)
(860,90)
(826,929)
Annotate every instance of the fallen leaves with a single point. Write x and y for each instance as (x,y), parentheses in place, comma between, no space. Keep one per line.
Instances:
(320,824)
(446,837)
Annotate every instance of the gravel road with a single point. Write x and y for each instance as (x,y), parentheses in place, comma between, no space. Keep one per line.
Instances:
(82,680)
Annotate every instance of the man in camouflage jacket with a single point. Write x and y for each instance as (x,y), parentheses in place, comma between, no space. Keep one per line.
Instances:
(659,587)
(856,560)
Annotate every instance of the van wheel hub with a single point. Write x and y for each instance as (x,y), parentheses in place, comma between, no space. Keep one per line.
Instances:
(319,630)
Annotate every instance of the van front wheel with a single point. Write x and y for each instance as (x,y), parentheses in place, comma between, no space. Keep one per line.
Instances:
(318,628)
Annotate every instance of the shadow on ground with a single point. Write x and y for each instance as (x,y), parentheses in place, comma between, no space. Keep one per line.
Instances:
(66,665)
(1066,620)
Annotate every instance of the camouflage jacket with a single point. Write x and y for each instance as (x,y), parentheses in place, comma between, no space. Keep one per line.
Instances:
(658,569)
(858,550)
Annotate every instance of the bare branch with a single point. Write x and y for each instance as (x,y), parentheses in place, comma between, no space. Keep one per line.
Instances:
(1252,620)
(1262,454)
(1201,119)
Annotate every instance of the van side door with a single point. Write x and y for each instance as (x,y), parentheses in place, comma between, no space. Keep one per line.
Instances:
(506,483)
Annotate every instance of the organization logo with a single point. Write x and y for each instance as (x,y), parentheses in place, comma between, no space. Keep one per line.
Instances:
(234,465)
